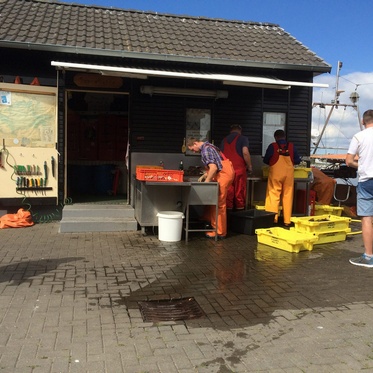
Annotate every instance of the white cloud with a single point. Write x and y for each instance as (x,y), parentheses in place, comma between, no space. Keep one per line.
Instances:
(344,121)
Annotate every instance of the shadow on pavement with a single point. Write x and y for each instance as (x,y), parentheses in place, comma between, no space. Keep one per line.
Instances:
(17,273)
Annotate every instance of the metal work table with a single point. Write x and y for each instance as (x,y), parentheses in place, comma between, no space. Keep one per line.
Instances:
(252,180)
(250,186)
(202,194)
(153,197)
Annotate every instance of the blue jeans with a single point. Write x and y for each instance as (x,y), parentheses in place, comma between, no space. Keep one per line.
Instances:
(364,191)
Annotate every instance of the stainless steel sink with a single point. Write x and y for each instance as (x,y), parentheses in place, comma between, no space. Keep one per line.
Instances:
(191,179)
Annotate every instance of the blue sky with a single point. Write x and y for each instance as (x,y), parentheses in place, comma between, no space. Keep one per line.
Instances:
(334,30)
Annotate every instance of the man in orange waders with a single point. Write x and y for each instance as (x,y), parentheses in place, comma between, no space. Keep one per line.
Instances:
(236,148)
(281,156)
(220,169)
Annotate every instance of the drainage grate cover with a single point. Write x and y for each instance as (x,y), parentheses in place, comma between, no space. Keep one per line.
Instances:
(171,310)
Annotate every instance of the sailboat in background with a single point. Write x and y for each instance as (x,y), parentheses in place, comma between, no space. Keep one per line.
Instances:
(333,164)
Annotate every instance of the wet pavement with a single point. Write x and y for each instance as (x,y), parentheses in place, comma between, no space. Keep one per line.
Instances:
(71,303)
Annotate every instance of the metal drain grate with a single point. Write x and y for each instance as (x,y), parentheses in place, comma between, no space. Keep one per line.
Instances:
(171,310)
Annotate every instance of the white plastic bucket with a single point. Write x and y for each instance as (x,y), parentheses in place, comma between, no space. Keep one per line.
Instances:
(170,225)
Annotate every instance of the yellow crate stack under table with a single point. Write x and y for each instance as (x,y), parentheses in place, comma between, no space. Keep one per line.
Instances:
(260,206)
(299,172)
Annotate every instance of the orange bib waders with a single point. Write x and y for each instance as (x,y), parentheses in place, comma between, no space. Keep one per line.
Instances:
(236,196)
(224,178)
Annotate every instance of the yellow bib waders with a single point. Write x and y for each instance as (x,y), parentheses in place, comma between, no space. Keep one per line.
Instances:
(280,188)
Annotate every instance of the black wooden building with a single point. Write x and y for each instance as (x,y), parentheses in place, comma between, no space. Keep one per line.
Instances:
(131,78)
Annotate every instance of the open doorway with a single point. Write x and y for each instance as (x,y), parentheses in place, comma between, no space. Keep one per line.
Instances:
(96,145)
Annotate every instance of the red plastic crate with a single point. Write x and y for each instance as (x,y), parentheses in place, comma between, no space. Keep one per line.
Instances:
(151,174)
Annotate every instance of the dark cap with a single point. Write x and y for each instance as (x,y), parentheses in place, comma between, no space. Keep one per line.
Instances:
(279,133)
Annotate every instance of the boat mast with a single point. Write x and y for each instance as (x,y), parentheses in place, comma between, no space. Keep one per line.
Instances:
(334,104)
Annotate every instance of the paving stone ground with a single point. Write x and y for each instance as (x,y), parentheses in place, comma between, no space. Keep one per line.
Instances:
(69,303)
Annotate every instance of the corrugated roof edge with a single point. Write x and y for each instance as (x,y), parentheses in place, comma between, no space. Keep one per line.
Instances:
(168,57)
(158,57)
(152,12)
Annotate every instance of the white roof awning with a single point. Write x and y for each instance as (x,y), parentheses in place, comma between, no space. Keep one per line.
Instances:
(227,79)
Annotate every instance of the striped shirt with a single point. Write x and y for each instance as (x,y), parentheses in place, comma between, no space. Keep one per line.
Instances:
(210,154)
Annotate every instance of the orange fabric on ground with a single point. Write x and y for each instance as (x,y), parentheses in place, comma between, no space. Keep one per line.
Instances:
(323,185)
(21,219)
(280,187)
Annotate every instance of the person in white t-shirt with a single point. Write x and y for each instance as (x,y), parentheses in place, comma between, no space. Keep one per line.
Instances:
(361,146)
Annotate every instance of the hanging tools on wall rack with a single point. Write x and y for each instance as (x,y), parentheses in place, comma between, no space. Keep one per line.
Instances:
(45,173)
(2,165)
(53,164)
(30,178)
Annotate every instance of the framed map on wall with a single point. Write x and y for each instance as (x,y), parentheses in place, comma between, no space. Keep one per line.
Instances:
(28,115)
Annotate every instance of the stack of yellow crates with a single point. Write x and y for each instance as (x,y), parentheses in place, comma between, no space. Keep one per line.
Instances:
(328,210)
(307,232)
(285,239)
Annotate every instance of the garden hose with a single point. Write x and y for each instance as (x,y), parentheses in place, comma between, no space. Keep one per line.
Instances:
(357,232)
(45,218)
(352,233)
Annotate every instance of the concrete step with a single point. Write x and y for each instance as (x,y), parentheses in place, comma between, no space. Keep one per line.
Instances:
(92,210)
(97,224)
(97,218)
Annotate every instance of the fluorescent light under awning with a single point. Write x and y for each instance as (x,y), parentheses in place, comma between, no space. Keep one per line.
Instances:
(227,79)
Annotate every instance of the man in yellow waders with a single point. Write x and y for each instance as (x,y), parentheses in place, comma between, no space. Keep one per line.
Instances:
(281,156)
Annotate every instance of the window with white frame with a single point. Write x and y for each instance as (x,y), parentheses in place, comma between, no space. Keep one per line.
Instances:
(271,123)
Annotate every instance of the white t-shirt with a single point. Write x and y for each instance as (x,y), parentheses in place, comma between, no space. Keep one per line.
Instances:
(362,145)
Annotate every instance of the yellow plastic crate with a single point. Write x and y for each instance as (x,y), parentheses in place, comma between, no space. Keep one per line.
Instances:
(262,207)
(329,237)
(320,223)
(287,240)
(326,209)
(301,172)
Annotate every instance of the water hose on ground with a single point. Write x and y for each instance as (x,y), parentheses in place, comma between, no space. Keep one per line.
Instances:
(357,232)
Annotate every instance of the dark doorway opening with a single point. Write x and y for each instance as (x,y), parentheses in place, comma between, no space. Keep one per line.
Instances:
(97,137)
